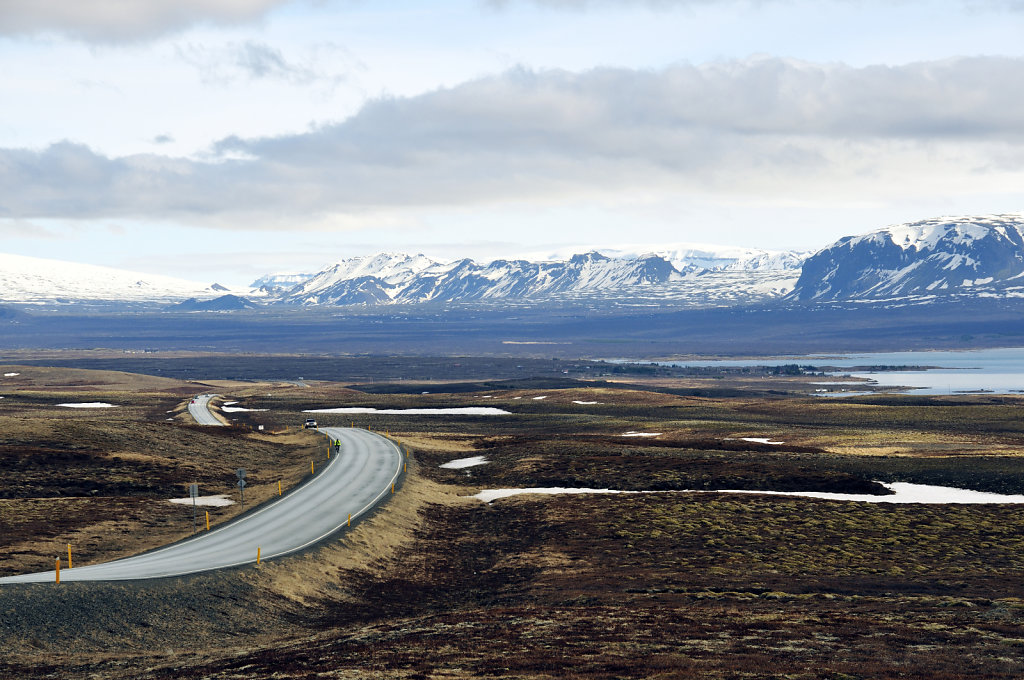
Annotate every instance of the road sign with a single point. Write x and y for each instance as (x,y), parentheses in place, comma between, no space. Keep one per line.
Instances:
(240,473)
(241,483)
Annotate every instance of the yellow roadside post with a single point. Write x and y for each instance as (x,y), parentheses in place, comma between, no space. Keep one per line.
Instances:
(258,549)
(69,555)
(58,570)
(207,520)
(403,466)
(312,470)
(350,519)
(279,487)
(392,487)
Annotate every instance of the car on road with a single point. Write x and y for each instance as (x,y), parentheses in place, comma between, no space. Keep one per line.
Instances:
(310,423)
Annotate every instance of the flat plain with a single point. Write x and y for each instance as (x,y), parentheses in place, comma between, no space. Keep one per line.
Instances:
(438,584)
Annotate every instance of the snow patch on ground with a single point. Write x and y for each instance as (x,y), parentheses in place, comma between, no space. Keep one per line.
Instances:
(539,398)
(903,492)
(488,495)
(761,440)
(465,411)
(586,403)
(642,434)
(89,404)
(11,375)
(238,409)
(460,463)
(219,500)
(230,403)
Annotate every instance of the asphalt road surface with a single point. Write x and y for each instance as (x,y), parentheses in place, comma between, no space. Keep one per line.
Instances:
(353,482)
(199,409)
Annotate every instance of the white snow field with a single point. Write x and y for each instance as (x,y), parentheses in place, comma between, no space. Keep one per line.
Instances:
(641,434)
(461,463)
(218,501)
(903,492)
(463,411)
(89,404)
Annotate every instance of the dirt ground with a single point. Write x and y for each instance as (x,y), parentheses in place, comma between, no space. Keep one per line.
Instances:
(440,585)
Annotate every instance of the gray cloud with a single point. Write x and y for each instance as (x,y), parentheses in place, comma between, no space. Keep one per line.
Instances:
(759,127)
(124,20)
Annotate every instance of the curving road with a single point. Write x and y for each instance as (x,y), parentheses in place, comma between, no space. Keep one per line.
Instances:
(353,482)
(199,409)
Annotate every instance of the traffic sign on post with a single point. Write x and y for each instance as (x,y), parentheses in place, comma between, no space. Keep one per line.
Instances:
(240,473)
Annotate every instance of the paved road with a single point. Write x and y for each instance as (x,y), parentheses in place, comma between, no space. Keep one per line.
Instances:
(353,482)
(199,409)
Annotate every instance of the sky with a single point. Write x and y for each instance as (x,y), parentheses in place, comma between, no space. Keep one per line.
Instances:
(220,140)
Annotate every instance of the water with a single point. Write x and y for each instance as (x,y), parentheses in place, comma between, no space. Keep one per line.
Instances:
(950,372)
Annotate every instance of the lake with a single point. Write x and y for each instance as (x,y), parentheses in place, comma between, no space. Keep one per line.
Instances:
(986,370)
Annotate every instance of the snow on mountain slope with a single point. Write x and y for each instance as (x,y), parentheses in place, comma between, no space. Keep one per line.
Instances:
(399,278)
(981,255)
(699,257)
(33,279)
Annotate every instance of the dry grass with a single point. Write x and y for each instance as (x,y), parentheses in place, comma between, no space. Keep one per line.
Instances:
(372,547)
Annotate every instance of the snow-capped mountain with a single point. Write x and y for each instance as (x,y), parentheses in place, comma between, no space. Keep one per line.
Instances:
(938,257)
(33,279)
(672,274)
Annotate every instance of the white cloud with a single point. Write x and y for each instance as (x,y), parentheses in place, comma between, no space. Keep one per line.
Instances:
(124,20)
(758,128)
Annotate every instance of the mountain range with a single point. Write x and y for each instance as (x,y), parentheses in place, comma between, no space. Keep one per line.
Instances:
(929,259)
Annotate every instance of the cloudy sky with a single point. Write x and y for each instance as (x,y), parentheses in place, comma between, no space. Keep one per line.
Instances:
(224,139)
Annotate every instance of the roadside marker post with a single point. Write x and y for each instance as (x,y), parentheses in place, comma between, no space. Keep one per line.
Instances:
(312,470)
(69,555)
(193,491)
(258,549)
(57,572)
(392,487)
(350,519)
(279,487)
(207,520)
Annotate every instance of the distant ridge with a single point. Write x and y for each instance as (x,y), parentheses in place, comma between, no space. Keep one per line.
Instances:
(224,303)
(941,258)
